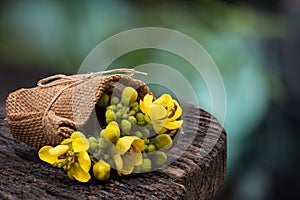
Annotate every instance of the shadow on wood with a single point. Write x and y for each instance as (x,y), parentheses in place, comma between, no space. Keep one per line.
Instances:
(197,173)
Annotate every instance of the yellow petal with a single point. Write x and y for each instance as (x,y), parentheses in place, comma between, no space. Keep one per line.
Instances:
(84,161)
(164,100)
(157,112)
(78,173)
(112,132)
(118,161)
(77,134)
(58,150)
(178,112)
(173,125)
(80,144)
(134,158)
(147,101)
(124,143)
(127,167)
(46,156)
(138,145)
(158,126)
(67,141)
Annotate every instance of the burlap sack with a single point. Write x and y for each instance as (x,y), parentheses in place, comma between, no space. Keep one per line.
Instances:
(59,105)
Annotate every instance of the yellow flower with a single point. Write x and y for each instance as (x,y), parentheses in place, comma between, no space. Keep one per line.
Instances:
(72,155)
(162,112)
(129,154)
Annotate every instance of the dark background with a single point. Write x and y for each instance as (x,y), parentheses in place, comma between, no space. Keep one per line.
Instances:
(255,44)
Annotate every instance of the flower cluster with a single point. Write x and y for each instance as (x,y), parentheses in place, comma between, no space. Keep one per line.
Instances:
(134,139)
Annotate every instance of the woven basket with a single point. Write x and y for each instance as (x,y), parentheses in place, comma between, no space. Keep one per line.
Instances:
(59,105)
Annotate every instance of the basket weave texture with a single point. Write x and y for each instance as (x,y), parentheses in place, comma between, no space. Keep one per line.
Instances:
(59,105)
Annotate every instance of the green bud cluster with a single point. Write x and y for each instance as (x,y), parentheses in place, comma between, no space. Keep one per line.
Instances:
(124,117)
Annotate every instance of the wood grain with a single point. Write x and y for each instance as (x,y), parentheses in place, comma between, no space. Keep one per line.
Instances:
(197,173)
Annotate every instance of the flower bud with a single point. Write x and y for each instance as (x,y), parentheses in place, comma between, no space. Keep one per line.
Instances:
(129,95)
(103,100)
(114,100)
(125,126)
(134,104)
(138,134)
(110,116)
(106,157)
(158,158)
(132,112)
(141,123)
(163,142)
(140,117)
(151,148)
(125,116)
(92,143)
(102,144)
(101,171)
(146,165)
(132,119)
(112,107)
(145,132)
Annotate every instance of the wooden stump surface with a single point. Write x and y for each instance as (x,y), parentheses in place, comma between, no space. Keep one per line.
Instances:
(197,174)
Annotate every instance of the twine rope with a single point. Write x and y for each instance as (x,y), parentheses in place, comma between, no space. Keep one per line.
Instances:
(47,82)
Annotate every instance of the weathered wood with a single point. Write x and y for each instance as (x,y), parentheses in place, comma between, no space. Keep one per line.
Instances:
(197,174)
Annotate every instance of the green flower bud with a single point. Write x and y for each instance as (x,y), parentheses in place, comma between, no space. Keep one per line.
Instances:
(125,109)
(119,114)
(146,165)
(112,132)
(125,116)
(102,144)
(119,105)
(146,141)
(132,119)
(163,142)
(125,126)
(138,134)
(134,104)
(141,123)
(110,116)
(103,100)
(92,140)
(112,107)
(106,157)
(140,116)
(101,171)
(114,100)
(147,119)
(129,95)
(145,132)
(158,158)
(151,148)
(93,143)
(136,109)
(132,112)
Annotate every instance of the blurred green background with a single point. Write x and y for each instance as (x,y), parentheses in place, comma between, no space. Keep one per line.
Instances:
(255,45)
